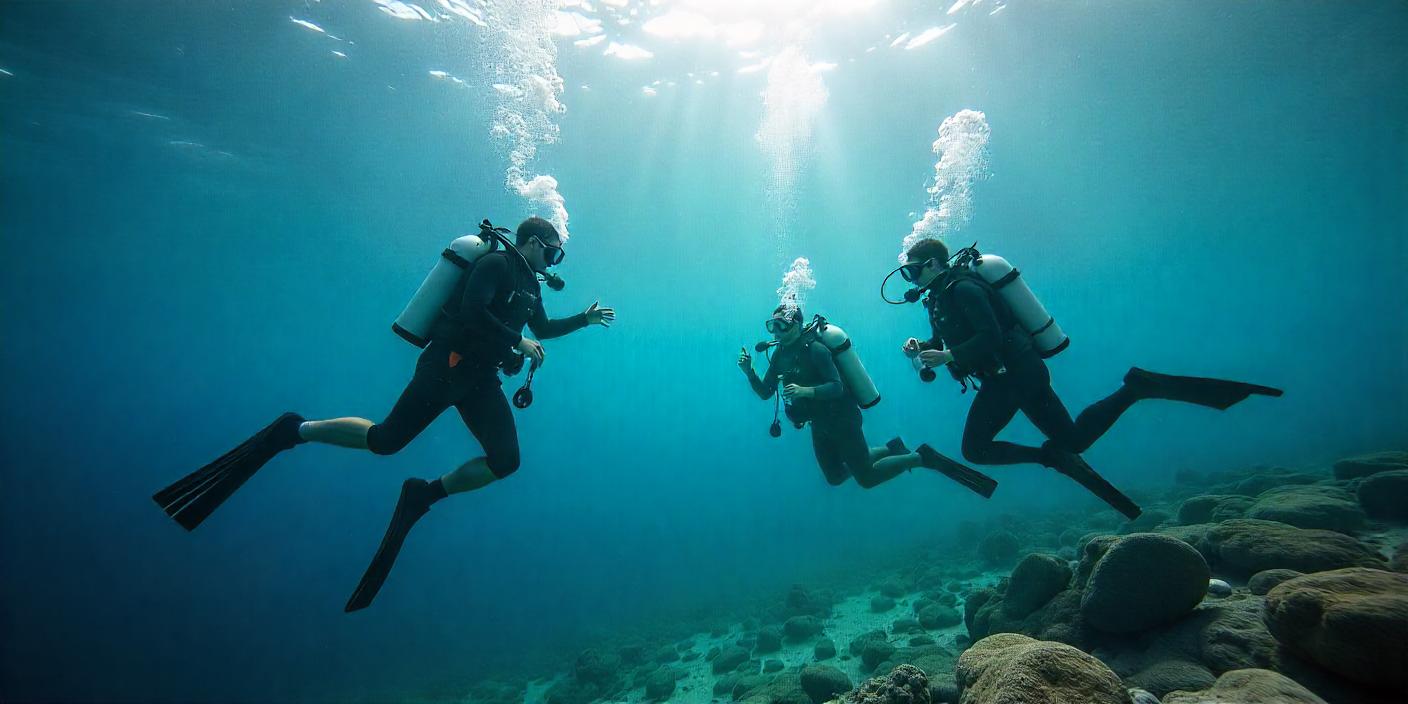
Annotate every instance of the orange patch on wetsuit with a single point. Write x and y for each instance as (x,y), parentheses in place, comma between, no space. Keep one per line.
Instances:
(454,359)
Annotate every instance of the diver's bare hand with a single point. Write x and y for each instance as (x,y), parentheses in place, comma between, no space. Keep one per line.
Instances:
(911,347)
(792,392)
(596,315)
(935,358)
(745,360)
(532,349)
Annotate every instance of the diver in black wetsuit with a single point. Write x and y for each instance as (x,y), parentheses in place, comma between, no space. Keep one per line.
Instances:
(975,333)
(815,393)
(479,334)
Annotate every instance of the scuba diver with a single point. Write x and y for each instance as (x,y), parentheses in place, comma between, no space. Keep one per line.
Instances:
(805,362)
(468,316)
(989,327)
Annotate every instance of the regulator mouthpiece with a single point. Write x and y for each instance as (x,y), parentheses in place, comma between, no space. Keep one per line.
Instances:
(762,346)
(911,295)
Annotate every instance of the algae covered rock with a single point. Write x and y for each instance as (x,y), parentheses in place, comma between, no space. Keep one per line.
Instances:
(823,682)
(661,684)
(1353,622)
(1385,495)
(802,627)
(825,649)
(881,603)
(1213,508)
(728,659)
(1251,686)
(784,688)
(1144,580)
(1366,465)
(1266,580)
(1247,546)
(1009,668)
(1323,507)
(1036,579)
(1165,676)
(769,639)
(939,616)
(998,548)
(906,684)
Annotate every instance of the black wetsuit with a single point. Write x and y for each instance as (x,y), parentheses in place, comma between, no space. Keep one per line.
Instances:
(460,366)
(837,438)
(972,320)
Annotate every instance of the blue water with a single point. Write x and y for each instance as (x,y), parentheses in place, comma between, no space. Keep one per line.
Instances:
(207,217)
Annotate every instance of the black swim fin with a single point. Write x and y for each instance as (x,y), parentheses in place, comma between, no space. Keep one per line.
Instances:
(1213,393)
(194,497)
(1073,466)
(414,502)
(896,446)
(979,483)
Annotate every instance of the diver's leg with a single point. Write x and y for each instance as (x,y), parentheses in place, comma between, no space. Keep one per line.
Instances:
(828,455)
(342,432)
(993,408)
(425,397)
(894,448)
(1041,405)
(487,414)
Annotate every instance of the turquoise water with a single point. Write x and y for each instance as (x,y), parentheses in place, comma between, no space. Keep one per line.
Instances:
(210,213)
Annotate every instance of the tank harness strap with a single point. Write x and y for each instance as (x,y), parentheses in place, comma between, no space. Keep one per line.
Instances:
(454,258)
(842,348)
(1049,322)
(1006,279)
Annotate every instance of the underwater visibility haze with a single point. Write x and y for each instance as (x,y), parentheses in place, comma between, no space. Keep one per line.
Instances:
(212,212)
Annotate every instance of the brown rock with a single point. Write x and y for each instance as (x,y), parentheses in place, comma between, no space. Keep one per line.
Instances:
(1248,687)
(1353,622)
(1010,668)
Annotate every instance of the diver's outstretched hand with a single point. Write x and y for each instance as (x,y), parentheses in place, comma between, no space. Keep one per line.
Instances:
(596,315)
(745,360)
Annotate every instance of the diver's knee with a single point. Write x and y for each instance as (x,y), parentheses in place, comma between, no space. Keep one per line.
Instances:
(974,452)
(502,464)
(379,444)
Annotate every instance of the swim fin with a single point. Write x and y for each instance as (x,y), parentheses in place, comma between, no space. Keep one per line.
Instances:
(414,502)
(896,446)
(1213,393)
(979,483)
(1073,466)
(194,497)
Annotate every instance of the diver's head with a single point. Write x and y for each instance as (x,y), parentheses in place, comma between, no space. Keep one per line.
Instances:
(924,262)
(785,324)
(540,243)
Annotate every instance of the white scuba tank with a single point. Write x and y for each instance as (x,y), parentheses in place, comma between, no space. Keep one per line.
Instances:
(848,363)
(1046,334)
(418,319)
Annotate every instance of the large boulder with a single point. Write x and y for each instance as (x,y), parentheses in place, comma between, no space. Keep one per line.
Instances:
(998,548)
(661,684)
(1258,483)
(906,684)
(1252,686)
(1324,507)
(801,601)
(1165,676)
(1211,508)
(1266,580)
(1091,550)
(1144,580)
(1247,546)
(1010,668)
(1385,495)
(1365,465)
(823,682)
(728,659)
(939,616)
(802,627)
(1353,622)
(825,649)
(1036,579)
(769,639)
(596,667)
(784,688)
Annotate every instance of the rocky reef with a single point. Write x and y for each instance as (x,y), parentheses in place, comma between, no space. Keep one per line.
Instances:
(1260,586)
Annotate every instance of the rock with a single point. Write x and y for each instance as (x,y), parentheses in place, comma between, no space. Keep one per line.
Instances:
(770,666)
(1250,686)
(1353,622)
(1140,696)
(875,652)
(784,688)
(689,656)
(921,640)
(1385,495)
(891,588)
(1212,508)
(661,684)
(1090,553)
(728,659)
(1166,676)
(748,684)
(802,627)
(972,605)
(665,654)
(939,616)
(713,653)
(1147,521)
(769,639)
(1010,668)
(1258,483)
(1068,537)
(857,645)
(802,602)
(633,654)
(1219,588)
(881,604)
(1265,580)
(948,599)
(1366,465)
(905,625)
(825,649)
(724,685)
(1036,579)
(1323,507)
(823,682)
(1247,546)
(1399,563)
(1144,580)
(905,684)
(596,667)
(935,660)
(998,548)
